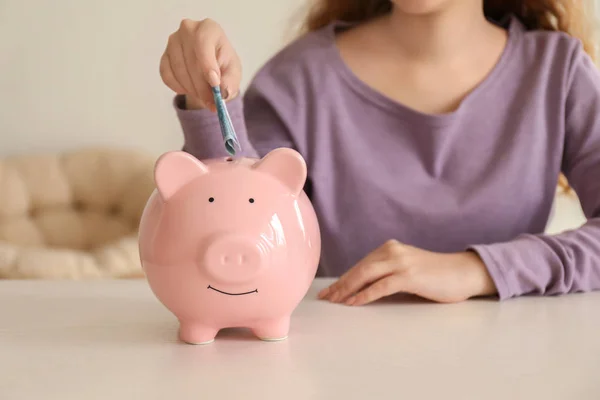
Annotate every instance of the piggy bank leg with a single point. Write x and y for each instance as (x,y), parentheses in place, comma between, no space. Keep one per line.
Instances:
(194,333)
(273,330)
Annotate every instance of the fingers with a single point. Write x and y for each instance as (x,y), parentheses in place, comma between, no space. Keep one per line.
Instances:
(199,57)
(380,262)
(382,288)
(217,62)
(168,77)
(204,45)
(199,50)
(328,292)
(178,67)
(230,86)
(363,274)
(231,72)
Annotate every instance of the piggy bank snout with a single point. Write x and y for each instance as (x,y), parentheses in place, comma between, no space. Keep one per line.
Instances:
(233,259)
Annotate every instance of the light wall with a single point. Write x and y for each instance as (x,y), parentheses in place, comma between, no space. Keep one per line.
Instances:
(85,72)
(79,73)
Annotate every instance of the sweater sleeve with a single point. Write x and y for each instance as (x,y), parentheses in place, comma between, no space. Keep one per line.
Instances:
(202,133)
(569,261)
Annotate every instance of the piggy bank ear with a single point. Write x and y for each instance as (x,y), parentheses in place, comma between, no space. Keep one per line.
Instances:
(287,166)
(175,169)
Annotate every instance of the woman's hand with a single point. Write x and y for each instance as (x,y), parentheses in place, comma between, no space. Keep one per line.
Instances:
(395,267)
(198,57)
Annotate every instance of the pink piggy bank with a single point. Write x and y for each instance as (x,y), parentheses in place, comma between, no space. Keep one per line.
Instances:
(230,242)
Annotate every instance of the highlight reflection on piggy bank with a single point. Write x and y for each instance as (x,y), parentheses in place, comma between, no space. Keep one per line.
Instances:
(230,242)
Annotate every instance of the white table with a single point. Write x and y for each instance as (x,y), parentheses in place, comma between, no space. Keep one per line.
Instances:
(113,340)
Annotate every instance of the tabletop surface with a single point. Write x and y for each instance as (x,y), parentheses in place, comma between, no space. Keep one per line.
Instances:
(114,340)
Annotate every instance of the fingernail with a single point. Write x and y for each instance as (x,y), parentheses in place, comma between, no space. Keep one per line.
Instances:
(225,93)
(351,300)
(213,78)
(334,297)
(323,293)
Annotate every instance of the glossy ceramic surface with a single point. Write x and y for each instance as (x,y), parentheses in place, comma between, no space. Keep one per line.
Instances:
(230,242)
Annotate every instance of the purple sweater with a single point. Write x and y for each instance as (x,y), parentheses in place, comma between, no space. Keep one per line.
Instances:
(481,178)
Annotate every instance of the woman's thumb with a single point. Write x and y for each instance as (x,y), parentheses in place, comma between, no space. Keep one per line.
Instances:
(230,81)
(213,78)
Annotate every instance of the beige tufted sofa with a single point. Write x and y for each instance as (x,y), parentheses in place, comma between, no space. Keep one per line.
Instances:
(73,215)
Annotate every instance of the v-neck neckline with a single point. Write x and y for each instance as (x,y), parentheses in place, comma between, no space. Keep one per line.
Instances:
(511,24)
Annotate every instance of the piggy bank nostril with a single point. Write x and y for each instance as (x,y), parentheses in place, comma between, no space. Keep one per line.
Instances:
(229,258)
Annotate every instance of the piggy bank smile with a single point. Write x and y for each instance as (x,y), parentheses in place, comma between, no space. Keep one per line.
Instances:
(231,294)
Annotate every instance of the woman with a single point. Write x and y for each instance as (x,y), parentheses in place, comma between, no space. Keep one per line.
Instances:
(434,133)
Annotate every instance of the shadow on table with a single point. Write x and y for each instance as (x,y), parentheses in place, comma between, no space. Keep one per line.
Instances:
(111,321)
(406,298)
(395,299)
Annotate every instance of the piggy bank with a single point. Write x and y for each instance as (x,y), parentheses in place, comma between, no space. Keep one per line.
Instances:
(230,243)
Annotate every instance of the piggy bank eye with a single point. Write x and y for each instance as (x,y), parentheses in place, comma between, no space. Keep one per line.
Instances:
(211,199)
(251,200)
